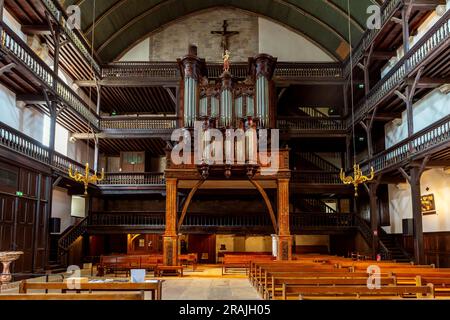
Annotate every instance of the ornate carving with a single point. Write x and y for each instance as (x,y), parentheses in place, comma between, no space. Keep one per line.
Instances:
(263,65)
(192,67)
(227,81)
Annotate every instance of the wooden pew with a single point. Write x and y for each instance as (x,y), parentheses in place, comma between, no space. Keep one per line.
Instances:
(187,259)
(263,270)
(154,287)
(242,261)
(274,285)
(277,282)
(289,290)
(76,296)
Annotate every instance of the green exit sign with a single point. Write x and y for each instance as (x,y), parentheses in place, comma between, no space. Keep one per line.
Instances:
(19,193)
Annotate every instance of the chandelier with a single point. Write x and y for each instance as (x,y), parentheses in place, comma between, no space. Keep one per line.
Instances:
(358,177)
(86,178)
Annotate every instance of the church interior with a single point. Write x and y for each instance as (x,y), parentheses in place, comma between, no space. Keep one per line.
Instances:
(224,150)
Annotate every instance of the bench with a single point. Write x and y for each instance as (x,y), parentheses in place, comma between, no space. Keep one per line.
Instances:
(76,296)
(187,259)
(124,263)
(161,270)
(276,283)
(356,291)
(155,287)
(242,261)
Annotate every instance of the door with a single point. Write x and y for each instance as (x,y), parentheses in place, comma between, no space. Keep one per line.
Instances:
(204,245)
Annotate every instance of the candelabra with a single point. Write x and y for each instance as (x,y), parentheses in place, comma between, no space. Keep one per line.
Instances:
(86,178)
(358,177)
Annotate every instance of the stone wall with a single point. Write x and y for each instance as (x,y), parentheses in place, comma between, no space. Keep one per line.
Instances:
(172,41)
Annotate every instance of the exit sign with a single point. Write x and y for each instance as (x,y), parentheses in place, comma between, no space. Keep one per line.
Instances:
(19,193)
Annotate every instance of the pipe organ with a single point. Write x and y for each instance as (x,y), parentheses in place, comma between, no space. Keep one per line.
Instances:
(228,103)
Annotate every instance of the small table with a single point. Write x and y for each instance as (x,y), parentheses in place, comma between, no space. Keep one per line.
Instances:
(160,270)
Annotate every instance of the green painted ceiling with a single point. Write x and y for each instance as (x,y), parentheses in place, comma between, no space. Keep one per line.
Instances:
(119,24)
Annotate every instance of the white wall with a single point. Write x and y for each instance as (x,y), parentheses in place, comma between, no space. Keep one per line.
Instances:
(140,52)
(400,206)
(24,119)
(280,42)
(428,110)
(61,207)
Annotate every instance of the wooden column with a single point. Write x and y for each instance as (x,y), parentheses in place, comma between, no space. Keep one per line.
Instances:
(419,253)
(374,217)
(284,234)
(170,245)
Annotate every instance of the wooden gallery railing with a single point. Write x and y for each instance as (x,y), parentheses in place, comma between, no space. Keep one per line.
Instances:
(133,178)
(71,33)
(387,12)
(301,221)
(295,70)
(138,123)
(158,70)
(148,219)
(18,142)
(436,38)
(319,124)
(169,70)
(316,177)
(21,53)
(434,136)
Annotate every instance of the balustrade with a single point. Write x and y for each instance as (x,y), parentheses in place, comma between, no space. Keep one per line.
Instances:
(310,123)
(133,178)
(138,123)
(434,38)
(420,142)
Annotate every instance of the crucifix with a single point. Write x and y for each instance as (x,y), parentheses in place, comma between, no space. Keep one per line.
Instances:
(225,35)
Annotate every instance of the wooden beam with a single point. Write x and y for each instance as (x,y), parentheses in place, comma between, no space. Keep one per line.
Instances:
(428,82)
(187,202)
(7,68)
(41,29)
(424,4)
(382,55)
(268,203)
(33,98)
(432,163)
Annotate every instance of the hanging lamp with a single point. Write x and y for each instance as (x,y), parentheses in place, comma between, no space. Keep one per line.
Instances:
(358,177)
(87,177)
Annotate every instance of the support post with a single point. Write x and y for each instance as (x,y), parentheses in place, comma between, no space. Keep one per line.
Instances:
(419,253)
(414,182)
(374,217)
(284,251)
(170,243)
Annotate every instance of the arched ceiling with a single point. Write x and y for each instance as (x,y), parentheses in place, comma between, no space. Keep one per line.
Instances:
(119,24)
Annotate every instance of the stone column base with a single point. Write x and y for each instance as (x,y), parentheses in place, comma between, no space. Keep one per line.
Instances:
(170,250)
(284,247)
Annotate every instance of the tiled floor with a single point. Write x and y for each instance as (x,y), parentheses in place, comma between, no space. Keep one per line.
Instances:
(205,283)
(208,289)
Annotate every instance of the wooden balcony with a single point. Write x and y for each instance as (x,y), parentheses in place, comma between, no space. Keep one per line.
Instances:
(430,141)
(37,71)
(154,222)
(430,48)
(138,126)
(167,73)
(295,127)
